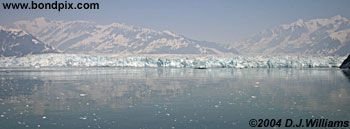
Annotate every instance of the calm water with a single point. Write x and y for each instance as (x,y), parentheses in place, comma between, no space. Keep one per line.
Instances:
(148,98)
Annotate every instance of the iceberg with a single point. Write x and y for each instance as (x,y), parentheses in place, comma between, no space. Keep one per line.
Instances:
(170,61)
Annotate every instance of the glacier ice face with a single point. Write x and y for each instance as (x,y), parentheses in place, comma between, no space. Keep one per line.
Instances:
(172,61)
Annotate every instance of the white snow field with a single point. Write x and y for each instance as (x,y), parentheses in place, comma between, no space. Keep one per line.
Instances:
(172,61)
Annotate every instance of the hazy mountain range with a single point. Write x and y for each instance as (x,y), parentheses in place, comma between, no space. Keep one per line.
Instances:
(313,37)
(89,37)
(14,42)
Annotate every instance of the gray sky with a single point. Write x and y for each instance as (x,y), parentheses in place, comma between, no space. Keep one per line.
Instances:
(223,21)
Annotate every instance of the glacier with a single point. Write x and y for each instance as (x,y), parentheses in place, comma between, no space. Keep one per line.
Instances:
(170,61)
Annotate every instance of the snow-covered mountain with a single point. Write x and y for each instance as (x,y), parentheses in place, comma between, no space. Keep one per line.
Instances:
(316,37)
(89,37)
(14,42)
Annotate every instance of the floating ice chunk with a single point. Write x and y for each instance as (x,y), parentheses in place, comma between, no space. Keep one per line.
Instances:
(82,95)
(83,118)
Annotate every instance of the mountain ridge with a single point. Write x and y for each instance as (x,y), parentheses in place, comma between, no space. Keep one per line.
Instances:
(89,37)
(15,42)
(328,36)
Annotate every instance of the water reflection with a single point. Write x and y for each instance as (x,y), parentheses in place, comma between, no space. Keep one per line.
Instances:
(166,98)
(346,73)
(13,87)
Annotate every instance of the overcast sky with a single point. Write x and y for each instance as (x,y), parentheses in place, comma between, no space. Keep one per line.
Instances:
(223,21)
